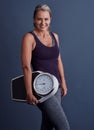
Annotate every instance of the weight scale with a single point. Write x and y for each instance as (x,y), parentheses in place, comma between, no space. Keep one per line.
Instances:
(44,85)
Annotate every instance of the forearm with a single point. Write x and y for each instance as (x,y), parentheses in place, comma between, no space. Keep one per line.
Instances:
(61,72)
(63,82)
(61,69)
(28,85)
(28,79)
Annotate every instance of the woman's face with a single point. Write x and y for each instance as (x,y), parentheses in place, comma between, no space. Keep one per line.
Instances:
(42,20)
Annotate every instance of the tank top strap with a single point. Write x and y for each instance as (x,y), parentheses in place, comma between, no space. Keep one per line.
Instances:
(52,35)
(35,37)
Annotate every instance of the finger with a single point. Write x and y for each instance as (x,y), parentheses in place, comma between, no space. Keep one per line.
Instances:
(33,103)
(35,100)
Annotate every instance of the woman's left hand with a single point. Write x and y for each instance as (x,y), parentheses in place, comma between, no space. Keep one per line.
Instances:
(64,91)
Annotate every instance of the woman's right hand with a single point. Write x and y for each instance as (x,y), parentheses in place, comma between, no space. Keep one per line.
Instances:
(31,99)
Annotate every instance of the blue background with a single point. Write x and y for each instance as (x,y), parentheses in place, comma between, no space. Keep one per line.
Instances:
(73,20)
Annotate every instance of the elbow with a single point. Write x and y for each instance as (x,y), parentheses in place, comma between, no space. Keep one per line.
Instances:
(26,68)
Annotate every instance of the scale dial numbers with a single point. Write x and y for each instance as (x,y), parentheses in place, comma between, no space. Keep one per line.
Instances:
(43,83)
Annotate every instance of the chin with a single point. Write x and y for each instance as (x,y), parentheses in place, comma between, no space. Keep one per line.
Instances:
(43,29)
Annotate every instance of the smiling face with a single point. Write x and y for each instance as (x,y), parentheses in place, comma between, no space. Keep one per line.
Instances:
(42,20)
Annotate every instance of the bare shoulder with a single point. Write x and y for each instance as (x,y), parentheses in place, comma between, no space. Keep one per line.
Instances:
(28,40)
(28,37)
(56,36)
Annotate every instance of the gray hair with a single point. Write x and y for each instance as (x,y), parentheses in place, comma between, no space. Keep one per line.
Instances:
(42,7)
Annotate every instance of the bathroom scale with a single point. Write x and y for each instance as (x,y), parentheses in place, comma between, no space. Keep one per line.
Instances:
(44,85)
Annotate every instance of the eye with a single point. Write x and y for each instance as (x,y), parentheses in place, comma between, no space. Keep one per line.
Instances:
(39,19)
(46,19)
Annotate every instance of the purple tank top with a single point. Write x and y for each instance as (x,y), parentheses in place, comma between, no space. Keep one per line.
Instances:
(45,58)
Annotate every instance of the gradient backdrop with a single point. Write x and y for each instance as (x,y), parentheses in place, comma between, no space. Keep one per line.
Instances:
(73,20)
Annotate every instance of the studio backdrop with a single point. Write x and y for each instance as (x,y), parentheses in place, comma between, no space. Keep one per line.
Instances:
(73,21)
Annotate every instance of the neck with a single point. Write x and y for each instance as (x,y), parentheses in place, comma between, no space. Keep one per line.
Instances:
(41,33)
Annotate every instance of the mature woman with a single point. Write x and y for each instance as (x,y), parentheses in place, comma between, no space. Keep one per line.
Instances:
(40,49)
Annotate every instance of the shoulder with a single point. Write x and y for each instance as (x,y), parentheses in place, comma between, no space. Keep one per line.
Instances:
(28,37)
(28,40)
(56,37)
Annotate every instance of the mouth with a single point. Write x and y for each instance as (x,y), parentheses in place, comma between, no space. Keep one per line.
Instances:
(42,26)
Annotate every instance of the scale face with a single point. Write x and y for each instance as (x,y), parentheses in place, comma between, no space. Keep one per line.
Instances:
(43,84)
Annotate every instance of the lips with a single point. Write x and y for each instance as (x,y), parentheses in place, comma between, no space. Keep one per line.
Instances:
(42,26)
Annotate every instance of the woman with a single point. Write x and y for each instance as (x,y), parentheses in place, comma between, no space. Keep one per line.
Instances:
(40,49)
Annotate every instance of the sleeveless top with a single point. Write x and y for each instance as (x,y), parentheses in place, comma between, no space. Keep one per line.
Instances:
(45,58)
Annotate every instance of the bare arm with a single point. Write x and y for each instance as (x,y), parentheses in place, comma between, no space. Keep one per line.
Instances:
(61,71)
(26,56)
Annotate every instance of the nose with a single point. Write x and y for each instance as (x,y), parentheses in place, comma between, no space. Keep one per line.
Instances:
(42,21)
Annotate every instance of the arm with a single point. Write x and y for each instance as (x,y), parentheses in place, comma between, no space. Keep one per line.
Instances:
(26,56)
(61,71)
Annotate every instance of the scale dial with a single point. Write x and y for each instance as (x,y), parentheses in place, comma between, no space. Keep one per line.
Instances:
(43,84)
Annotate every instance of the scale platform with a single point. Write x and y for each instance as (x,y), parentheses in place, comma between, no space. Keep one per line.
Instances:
(18,91)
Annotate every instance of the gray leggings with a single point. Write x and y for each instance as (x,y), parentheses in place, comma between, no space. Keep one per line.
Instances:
(53,115)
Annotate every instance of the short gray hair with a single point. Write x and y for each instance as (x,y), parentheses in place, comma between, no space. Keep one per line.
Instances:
(43,7)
